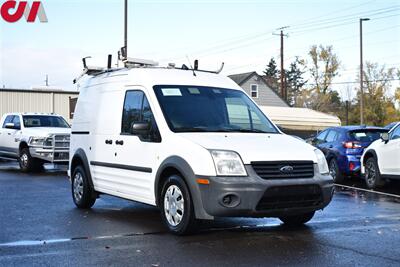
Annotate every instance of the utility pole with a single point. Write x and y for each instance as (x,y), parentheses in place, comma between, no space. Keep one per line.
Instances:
(283,85)
(47,80)
(126,31)
(361,73)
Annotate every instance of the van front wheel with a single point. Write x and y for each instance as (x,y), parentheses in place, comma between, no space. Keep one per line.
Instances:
(176,206)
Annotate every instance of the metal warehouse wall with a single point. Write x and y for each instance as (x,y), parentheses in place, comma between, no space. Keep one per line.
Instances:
(35,101)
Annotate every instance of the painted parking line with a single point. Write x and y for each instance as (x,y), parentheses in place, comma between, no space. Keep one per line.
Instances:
(368,190)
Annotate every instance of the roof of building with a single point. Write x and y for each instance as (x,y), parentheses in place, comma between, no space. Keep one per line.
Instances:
(300,118)
(241,78)
(34,90)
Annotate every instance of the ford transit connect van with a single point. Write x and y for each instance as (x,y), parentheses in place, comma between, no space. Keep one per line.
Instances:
(193,144)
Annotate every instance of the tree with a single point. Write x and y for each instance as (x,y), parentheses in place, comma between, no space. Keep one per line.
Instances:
(295,80)
(272,74)
(324,67)
(379,105)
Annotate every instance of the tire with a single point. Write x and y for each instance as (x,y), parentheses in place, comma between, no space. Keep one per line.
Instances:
(335,172)
(297,220)
(83,194)
(177,209)
(372,175)
(27,163)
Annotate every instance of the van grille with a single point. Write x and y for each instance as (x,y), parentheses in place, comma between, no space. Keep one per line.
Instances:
(294,196)
(277,170)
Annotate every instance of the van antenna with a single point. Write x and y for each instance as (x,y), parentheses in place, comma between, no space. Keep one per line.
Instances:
(221,68)
(191,67)
(109,62)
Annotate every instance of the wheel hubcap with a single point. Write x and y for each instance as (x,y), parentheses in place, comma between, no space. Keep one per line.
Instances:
(173,205)
(78,186)
(370,173)
(24,159)
(332,169)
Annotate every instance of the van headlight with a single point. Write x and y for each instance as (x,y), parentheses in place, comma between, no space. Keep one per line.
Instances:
(321,160)
(228,163)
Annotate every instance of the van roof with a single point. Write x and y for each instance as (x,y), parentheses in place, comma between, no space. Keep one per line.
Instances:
(151,76)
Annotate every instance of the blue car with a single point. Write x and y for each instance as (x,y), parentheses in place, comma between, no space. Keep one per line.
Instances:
(343,147)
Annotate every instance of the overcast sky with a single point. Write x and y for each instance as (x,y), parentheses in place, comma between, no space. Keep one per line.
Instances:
(238,33)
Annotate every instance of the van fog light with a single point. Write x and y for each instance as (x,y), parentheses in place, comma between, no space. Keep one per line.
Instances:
(230,201)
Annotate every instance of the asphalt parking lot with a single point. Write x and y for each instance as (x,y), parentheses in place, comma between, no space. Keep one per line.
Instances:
(40,226)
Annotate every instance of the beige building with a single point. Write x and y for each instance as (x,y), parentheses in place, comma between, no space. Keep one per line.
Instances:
(37,100)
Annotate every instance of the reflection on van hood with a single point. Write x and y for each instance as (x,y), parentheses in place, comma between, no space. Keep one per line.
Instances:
(255,146)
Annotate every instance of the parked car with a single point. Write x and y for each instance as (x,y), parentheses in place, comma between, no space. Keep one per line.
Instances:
(193,144)
(343,147)
(381,160)
(34,139)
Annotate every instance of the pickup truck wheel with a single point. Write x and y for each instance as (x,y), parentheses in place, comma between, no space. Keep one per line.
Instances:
(335,172)
(297,220)
(26,162)
(176,206)
(372,174)
(82,192)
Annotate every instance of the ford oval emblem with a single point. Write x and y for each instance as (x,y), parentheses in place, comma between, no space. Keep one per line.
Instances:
(286,169)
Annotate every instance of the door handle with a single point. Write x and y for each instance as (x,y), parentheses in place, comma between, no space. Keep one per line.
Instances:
(9,133)
(109,142)
(331,146)
(119,142)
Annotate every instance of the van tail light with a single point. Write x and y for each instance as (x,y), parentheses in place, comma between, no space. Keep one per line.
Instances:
(351,145)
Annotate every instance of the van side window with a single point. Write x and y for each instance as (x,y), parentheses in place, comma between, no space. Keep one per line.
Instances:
(137,109)
(8,119)
(132,110)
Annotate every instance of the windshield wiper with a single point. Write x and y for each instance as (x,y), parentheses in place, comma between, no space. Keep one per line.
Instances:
(191,129)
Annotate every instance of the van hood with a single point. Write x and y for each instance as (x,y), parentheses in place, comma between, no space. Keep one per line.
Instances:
(45,131)
(256,146)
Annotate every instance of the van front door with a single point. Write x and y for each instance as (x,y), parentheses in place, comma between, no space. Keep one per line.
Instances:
(137,153)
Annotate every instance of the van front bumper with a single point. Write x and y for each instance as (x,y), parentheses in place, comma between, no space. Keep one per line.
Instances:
(253,196)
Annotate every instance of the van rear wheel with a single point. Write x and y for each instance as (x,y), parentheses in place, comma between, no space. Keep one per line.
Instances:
(82,192)
(176,204)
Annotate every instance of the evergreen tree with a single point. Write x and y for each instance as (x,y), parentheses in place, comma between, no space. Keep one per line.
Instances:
(272,74)
(295,80)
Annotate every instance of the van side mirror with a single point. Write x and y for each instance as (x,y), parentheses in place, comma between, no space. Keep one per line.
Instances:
(385,137)
(10,125)
(140,128)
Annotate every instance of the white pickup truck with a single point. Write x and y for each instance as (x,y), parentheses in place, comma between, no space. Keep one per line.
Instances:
(34,139)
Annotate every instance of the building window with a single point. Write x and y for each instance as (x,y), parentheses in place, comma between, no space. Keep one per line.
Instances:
(254,91)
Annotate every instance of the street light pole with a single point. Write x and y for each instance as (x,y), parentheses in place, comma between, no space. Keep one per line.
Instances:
(361,73)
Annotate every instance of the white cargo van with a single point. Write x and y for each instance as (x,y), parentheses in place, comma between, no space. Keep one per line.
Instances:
(193,144)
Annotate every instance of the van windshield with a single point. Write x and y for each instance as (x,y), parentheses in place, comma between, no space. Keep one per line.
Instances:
(31,121)
(209,109)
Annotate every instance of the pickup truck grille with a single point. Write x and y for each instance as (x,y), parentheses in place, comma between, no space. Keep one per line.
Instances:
(61,142)
(284,169)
